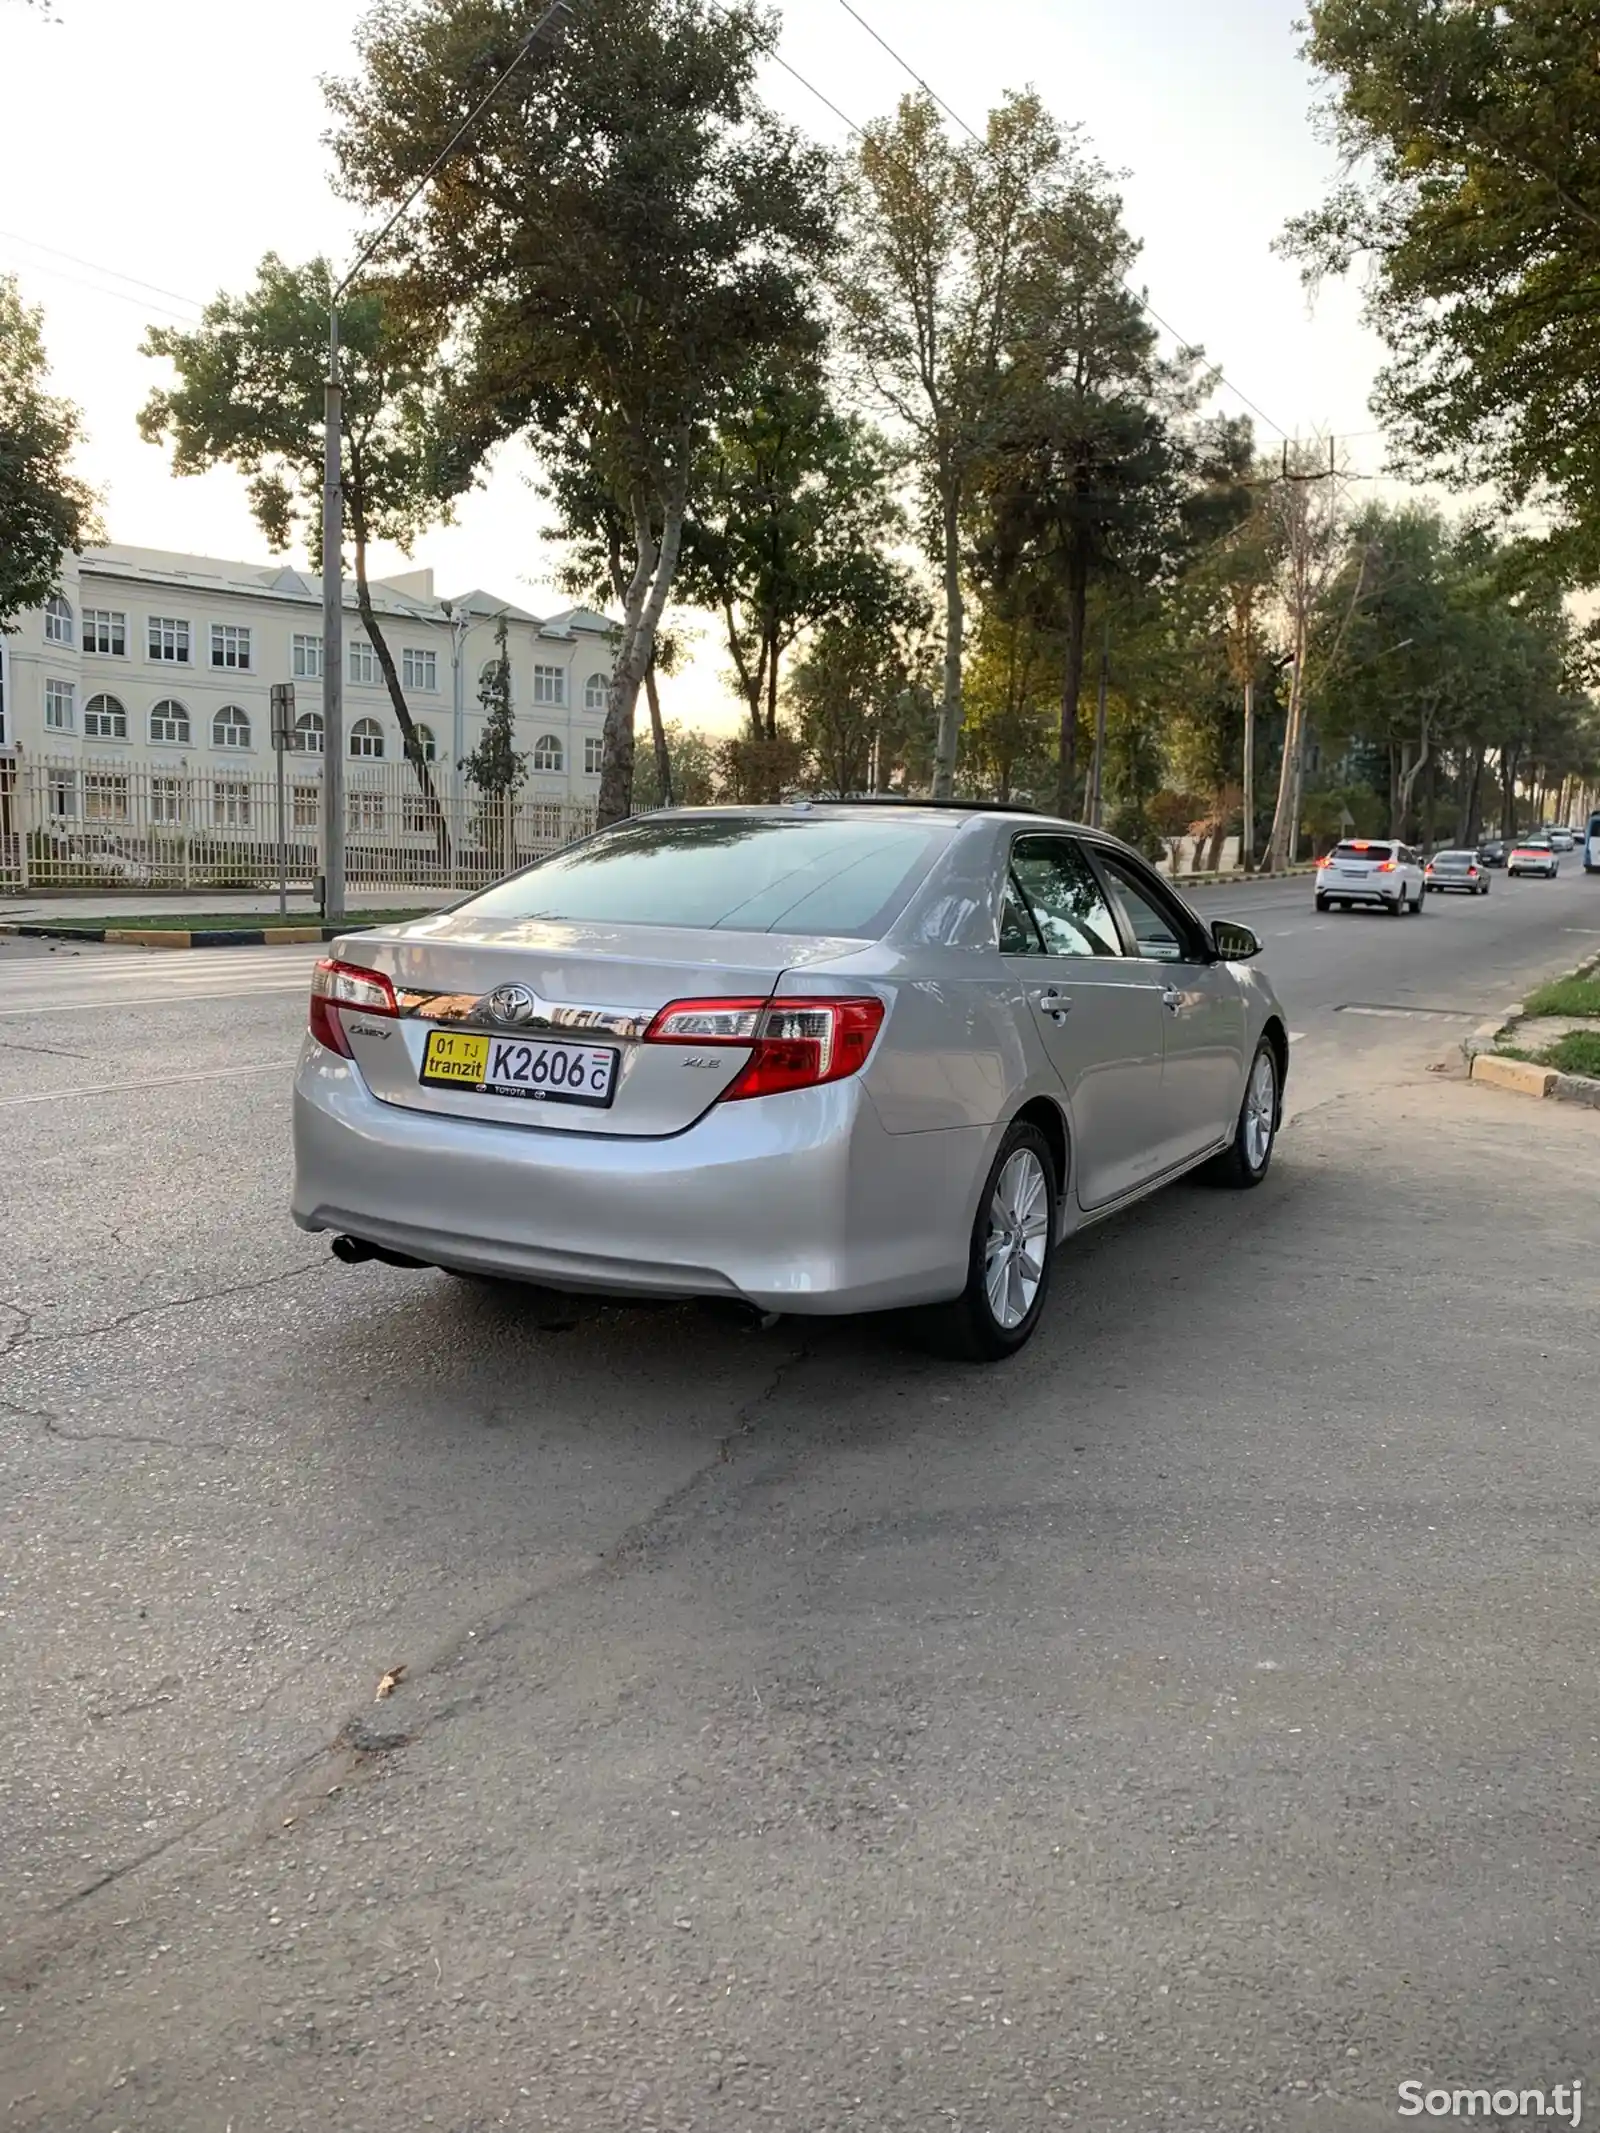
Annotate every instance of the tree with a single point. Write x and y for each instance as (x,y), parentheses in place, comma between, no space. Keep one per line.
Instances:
(692,771)
(942,239)
(1011,701)
(788,529)
(1474,131)
(495,766)
(855,700)
(44,509)
(249,395)
(627,234)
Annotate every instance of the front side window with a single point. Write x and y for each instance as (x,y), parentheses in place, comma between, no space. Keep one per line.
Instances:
(105,630)
(363,662)
(1054,881)
(308,733)
(306,658)
(167,640)
(594,749)
(547,752)
(104,719)
(231,728)
(419,670)
(169,722)
(60,706)
(1160,932)
(549,685)
(230,647)
(57,620)
(366,737)
(807,874)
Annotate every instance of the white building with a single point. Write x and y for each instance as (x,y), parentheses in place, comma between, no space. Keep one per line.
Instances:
(153,660)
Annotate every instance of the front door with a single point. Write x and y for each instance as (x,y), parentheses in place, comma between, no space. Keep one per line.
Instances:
(1097,1009)
(1202,1082)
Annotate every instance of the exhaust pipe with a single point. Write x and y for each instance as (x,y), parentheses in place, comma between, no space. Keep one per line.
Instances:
(352,1251)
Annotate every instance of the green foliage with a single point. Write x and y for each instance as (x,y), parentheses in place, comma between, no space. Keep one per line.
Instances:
(759,767)
(495,765)
(44,510)
(1012,697)
(693,757)
(863,719)
(1475,135)
(1567,996)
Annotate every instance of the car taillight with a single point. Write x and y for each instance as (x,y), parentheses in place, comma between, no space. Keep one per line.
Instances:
(335,984)
(1472,873)
(794,1044)
(1386,866)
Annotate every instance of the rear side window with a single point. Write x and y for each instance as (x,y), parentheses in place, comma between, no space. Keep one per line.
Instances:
(743,873)
(1063,897)
(1375,854)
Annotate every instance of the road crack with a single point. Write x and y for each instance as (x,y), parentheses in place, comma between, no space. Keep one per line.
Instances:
(26,1336)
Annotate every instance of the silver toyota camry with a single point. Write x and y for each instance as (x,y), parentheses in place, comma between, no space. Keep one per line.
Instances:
(811,1058)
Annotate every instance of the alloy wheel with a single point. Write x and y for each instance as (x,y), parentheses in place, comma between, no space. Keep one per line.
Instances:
(1260,1107)
(1014,1252)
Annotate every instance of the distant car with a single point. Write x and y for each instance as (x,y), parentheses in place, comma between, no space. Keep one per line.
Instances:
(1371,871)
(1492,852)
(1591,846)
(1456,873)
(1535,855)
(1561,840)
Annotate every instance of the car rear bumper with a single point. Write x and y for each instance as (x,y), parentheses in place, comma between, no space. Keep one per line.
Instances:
(1355,893)
(799,1202)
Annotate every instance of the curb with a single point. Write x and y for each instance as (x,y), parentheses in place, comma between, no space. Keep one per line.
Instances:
(165,937)
(1522,1078)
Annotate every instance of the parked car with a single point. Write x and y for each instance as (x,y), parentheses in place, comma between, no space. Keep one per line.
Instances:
(820,1058)
(1591,846)
(1534,855)
(1492,852)
(1456,874)
(1369,871)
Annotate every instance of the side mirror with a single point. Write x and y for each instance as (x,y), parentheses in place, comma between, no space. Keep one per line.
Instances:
(1234,943)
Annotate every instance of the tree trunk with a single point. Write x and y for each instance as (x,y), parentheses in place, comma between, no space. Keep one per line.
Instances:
(647,597)
(949,741)
(1469,815)
(658,735)
(402,710)
(1285,839)
(772,687)
(1072,689)
(1508,792)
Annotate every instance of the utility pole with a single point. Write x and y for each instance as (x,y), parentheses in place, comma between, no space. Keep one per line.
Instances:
(1247,829)
(552,20)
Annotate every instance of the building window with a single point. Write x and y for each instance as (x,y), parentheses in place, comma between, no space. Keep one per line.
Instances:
(105,797)
(104,719)
(364,811)
(594,749)
(549,685)
(166,800)
(547,752)
(428,745)
(308,733)
(167,639)
(363,662)
(57,620)
(105,630)
(419,670)
(595,691)
(307,659)
(230,647)
(230,803)
(64,795)
(366,737)
(414,812)
(169,722)
(231,728)
(60,715)
(307,806)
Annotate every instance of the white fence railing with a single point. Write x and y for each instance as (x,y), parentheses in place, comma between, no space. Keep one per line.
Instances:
(70,823)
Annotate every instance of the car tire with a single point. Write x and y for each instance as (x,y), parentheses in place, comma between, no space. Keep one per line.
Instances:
(973,1329)
(1322,903)
(1417,907)
(1398,908)
(1248,1157)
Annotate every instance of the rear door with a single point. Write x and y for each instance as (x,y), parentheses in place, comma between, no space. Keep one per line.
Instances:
(1203,1019)
(1097,1010)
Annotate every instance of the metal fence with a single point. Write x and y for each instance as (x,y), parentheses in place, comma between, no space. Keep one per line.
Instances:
(70,824)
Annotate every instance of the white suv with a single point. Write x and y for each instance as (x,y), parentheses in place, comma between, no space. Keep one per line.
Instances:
(1371,871)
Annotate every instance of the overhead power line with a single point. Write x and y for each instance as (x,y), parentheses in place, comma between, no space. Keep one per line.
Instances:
(95,266)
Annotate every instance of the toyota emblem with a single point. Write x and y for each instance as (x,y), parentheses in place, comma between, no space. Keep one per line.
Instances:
(512,1004)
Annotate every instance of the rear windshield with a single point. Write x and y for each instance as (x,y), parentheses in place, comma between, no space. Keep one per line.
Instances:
(747,873)
(1377,852)
(1455,859)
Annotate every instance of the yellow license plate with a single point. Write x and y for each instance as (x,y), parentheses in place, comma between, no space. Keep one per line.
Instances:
(533,1069)
(453,1056)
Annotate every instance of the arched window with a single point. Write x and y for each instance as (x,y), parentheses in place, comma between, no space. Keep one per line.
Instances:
(308,733)
(104,719)
(57,620)
(428,745)
(231,728)
(547,752)
(366,737)
(595,691)
(169,721)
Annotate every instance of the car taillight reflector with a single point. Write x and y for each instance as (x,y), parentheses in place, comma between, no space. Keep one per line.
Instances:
(335,984)
(794,1044)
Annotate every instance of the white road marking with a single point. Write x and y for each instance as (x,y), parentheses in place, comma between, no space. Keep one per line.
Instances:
(163,1081)
(44,1006)
(1296,1036)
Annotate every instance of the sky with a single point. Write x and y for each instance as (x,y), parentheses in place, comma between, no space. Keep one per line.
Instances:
(145,164)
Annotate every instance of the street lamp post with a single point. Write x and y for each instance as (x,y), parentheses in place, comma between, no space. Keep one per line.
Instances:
(554,18)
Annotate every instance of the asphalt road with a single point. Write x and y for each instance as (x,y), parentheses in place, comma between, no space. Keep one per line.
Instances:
(1192,1725)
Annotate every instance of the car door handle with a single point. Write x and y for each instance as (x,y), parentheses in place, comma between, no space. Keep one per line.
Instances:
(1056,1004)
(1172,1000)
